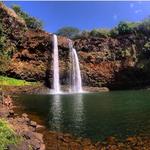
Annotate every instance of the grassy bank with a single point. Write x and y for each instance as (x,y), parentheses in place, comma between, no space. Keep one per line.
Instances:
(7,135)
(14,82)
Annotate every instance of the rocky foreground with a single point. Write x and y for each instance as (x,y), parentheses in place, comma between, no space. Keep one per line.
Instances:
(59,141)
(23,127)
(27,129)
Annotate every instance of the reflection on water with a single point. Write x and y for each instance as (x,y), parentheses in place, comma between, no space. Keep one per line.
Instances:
(57,113)
(78,114)
(55,116)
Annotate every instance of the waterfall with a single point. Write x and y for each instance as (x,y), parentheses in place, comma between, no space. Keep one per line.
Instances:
(56,83)
(75,73)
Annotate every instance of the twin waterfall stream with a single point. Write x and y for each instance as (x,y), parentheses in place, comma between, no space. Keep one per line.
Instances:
(56,82)
(75,73)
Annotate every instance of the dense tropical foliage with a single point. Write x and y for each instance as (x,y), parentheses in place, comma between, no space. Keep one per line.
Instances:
(31,22)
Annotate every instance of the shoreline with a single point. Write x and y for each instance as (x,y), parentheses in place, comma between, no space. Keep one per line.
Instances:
(42,89)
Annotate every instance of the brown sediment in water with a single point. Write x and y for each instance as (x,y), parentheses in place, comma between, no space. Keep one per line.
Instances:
(57,141)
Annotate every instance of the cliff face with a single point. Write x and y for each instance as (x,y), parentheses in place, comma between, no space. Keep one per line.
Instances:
(113,62)
(104,61)
(32,49)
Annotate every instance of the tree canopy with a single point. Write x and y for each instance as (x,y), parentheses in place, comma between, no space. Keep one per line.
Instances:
(31,22)
(69,32)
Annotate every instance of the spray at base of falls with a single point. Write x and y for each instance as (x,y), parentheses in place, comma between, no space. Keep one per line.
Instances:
(56,82)
(75,73)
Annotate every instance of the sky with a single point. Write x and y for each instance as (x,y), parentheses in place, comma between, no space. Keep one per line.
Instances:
(84,15)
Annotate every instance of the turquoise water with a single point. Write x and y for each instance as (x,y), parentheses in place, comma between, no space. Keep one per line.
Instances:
(92,115)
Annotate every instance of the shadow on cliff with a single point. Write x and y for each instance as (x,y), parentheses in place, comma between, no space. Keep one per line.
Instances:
(130,78)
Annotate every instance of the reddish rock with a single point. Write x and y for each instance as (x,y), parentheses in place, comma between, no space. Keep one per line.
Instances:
(24,115)
(111,140)
(33,124)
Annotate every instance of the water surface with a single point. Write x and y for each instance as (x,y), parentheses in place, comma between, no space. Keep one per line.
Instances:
(92,115)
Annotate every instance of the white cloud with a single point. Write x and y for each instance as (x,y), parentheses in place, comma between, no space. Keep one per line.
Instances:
(115,17)
(138,11)
(131,5)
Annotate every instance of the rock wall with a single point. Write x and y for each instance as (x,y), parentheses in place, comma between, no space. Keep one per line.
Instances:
(112,62)
(104,61)
(33,48)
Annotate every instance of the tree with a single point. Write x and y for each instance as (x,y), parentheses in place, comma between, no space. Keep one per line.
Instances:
(144,26)
(85,34)
(17,9)
(124,28)
(69,32)
(100,33)
(1,39)
(31,22)
(114,32)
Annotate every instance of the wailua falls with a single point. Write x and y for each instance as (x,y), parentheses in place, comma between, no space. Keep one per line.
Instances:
(75,73)
(56,82)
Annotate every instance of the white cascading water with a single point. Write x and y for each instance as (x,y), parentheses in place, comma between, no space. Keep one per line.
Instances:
(56,82)
(76,81)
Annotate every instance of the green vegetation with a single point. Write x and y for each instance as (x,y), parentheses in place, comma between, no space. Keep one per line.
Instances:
(122,28)
(14,82)
(144,26)
(146,51)
(3,54)
(100,33)
(7,135)
(31,22)
(69,32)
(7,49)
(1,38)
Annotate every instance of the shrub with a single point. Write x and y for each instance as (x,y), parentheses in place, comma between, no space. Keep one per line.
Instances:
(147,46)
(145,54)
(2,40)
(114,32)
(126,53)
(1,30)
(69,32)
(31,22)
(144,26)
(4,64)
(124,28)
(7,135)
(100,33)
(83,34)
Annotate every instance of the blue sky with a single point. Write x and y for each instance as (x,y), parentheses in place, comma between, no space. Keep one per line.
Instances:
(84,15)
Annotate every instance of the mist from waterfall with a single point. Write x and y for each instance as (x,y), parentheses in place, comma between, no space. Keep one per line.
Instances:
(56,82)
(75,73)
